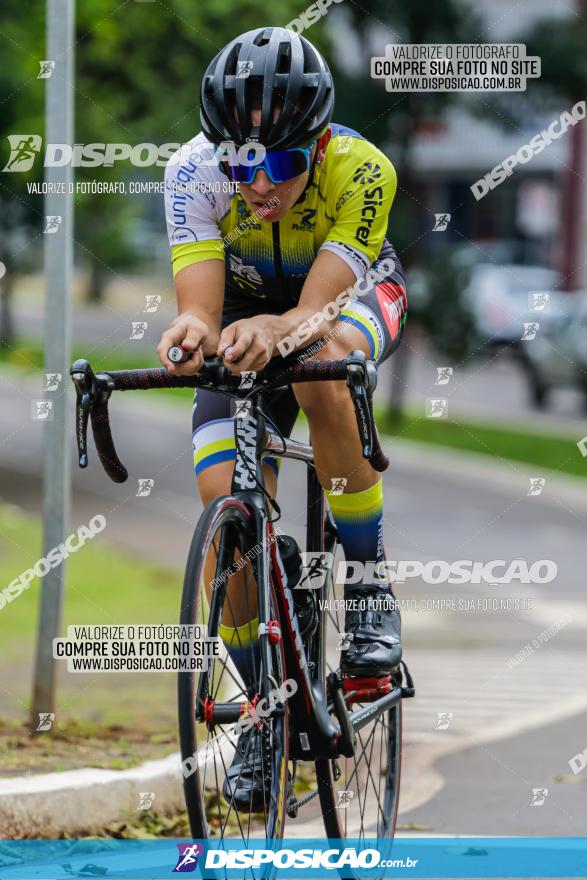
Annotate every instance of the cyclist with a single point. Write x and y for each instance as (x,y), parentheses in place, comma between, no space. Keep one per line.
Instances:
(251,267)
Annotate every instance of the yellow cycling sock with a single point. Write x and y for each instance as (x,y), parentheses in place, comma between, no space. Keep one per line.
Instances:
(242,644)
(359,521)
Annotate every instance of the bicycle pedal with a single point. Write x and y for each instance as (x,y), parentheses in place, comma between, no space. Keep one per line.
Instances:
(363,689)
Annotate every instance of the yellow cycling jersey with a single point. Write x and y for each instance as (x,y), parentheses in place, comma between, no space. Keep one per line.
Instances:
(344,210)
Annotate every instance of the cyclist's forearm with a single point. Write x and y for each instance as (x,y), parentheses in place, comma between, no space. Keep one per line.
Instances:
(303,324)
(200,292)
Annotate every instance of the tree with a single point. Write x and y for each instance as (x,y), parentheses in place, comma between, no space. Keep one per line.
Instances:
(561,46)
(138,69)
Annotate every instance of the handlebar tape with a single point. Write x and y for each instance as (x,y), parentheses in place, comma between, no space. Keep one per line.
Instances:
(327,370)
(158,377)
(378,460)
(105,445)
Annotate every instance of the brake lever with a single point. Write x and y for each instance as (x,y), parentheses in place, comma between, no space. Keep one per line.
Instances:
(86,391)
(361,382)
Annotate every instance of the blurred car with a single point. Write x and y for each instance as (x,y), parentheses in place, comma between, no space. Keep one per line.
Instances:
(501,300)
(557,355)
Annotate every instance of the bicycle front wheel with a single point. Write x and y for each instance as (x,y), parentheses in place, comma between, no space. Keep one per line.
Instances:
(220,591)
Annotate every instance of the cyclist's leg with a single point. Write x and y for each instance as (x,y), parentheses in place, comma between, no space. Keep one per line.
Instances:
(214,444)
(338,455)
(215,450)
(374,324)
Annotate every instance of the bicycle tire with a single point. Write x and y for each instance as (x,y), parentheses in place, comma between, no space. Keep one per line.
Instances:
(231,521)
(336,820)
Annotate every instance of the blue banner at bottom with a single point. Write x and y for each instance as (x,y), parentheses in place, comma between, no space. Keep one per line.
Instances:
(475,857)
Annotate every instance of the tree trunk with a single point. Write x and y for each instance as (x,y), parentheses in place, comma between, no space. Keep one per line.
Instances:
(7,334)
(97,283)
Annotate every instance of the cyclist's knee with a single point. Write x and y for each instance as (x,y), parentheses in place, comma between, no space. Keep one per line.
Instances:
(216,480)
(324,398)
(321,399)
(343,339)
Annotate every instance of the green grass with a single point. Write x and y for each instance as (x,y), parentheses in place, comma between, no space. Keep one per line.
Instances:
(102,586)
(28,355)
(500,441)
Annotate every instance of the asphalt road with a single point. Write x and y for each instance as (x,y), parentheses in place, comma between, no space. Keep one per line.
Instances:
(501,701)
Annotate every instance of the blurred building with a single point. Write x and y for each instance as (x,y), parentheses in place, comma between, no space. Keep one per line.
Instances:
(528,217)
(522,219)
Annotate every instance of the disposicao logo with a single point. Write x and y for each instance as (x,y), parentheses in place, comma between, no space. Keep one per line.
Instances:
(189,853)
(23,150)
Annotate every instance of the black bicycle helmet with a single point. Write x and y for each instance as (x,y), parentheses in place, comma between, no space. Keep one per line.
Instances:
(269,68)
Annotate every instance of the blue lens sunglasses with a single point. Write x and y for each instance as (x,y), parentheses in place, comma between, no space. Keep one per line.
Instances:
(279,165)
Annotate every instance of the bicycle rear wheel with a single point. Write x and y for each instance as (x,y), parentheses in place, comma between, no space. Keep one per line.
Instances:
(224,542)
(359,796)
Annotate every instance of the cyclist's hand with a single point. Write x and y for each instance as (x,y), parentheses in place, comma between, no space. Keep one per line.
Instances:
(247,345)
(188,332)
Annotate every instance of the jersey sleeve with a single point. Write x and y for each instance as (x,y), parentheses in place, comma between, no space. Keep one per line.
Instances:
(192,205)
(366,185)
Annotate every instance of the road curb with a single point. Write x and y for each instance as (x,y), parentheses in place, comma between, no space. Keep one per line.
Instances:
(84,800)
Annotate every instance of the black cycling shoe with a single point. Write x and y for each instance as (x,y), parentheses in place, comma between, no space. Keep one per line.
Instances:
(374,622)
(247,786)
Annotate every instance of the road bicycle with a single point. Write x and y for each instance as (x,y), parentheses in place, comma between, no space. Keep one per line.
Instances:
(330,750)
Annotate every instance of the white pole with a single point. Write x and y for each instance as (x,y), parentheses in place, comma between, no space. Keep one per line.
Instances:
(58,272)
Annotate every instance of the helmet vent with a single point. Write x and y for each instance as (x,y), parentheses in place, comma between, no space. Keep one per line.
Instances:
(284,60)
(230,69)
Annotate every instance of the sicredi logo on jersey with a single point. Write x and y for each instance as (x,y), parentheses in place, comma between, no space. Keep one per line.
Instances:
(372,198)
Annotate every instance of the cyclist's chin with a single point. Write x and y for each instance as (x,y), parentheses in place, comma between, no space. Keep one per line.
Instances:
(267,209)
